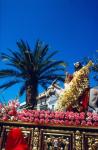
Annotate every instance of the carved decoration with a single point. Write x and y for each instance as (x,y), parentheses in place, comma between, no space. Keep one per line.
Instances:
(90,141)
(36,139)
(56,140)
(78,140)
(66,138)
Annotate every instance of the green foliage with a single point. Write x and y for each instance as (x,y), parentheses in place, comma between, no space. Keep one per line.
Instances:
(31,67)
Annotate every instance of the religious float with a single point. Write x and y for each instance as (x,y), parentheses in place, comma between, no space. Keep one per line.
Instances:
(72,126)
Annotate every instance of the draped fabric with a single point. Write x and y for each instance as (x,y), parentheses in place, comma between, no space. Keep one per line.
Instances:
(82,103)
(15,140)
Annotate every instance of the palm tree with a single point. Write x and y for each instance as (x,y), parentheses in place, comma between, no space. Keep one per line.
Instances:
(31,68)
(94,68)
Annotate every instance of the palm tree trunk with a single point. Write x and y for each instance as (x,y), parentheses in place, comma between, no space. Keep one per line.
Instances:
(31,94)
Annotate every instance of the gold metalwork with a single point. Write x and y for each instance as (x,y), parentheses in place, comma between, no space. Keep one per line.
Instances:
(56,140)
(78,140)
(90,141)
(36,139)
(66,138)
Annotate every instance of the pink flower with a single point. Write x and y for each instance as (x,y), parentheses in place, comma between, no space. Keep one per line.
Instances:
(42,121)
(31,119)
(83,122)
(12,112)
(57,121)
(36,120)
(89,114)
(89,118)
(4,118)
(62,115)
(71,115)
(89,123)
(42,111)
(24,119)
(42,115)
(62,122)
(20,117)
(46,115)
(67,114)
(82,115)
(77,122)
(46,121)
(66,122)
(71,122)
(95,124)
(47,112)
(57,115)
(77,117)
(51,115)
(95,116)
(36,114)
(52,121)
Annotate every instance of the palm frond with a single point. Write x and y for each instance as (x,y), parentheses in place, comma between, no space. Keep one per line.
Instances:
(8,72)
(95,68)
(22,90)
(51,55)
(52,71)
(9,84)
(28,56)
(31,66)
(52,77)
(52,65)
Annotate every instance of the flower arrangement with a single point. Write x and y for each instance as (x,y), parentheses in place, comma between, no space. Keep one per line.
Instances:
(11,112)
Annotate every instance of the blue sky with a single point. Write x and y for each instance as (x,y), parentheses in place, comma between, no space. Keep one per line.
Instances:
(70,26)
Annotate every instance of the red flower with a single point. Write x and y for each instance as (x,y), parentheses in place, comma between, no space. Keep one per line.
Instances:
(71,115)
(42,121)
(51,116)
(46,116)
(71,122)
(67,114)
(95,116)
(66,122)
(89,114)
(57,115)
(83,122)
(77,117)
(46,121)
(36,120)
(82,116)
(42,115)
(12,112)
(77,122)
(95,124)
(89,123)
(62,122)
(4,118)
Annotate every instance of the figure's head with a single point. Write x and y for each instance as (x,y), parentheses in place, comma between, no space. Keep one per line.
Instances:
(77,66)
(93,101)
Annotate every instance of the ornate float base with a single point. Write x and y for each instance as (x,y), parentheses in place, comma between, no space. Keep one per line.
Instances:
(42,137)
